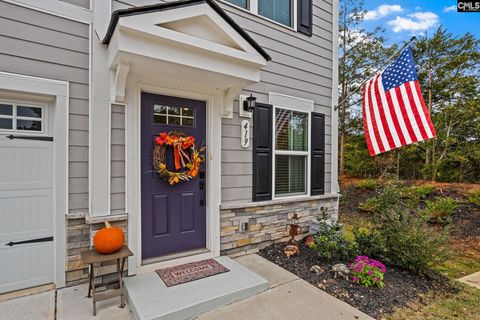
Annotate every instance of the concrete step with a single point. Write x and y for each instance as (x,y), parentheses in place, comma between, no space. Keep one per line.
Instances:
(150,299)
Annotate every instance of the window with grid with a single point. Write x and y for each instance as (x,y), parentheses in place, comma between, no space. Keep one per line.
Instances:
(280,11)
(290,152)
(174,115)
(21,118)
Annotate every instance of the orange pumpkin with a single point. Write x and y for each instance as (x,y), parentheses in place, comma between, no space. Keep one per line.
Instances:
(109,239)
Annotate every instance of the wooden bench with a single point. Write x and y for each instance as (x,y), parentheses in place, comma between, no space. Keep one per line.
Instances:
(91,257)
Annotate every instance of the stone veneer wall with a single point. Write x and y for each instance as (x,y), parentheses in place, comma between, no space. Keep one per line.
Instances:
(79,238)
(267,222)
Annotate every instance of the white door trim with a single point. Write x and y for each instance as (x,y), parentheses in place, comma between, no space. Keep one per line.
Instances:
(59,92)
(214,101)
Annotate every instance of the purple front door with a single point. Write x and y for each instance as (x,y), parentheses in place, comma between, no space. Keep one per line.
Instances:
(173,217)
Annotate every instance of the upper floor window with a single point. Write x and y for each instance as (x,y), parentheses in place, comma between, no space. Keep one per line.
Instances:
(280,11)
(277,10)
(240,3)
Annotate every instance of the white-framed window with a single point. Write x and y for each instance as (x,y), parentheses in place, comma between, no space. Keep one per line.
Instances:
(23,117)
(282,12)
(291,152)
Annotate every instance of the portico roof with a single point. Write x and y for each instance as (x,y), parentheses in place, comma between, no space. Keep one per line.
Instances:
(193,42)
(175,5)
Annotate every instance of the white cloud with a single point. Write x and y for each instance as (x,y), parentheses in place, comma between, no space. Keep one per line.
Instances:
(382,11)
(451,8)
(416,22)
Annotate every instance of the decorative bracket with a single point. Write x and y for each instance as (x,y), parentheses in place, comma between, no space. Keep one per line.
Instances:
(229,95)
(120,81)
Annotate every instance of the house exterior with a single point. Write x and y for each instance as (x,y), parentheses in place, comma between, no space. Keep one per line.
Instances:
(87,85)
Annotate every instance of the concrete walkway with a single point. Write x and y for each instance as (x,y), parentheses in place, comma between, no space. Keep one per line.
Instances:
(288,298)
(473,280)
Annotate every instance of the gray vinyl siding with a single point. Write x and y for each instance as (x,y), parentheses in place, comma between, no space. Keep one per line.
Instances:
(38,44)
(301,66)
(81,3)
(117,192)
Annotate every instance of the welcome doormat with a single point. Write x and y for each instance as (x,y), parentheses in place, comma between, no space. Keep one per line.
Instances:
(190,271)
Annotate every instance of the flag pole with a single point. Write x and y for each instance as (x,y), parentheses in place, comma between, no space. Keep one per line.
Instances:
(385,64)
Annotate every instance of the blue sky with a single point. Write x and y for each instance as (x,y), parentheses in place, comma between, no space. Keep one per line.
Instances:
(404,18)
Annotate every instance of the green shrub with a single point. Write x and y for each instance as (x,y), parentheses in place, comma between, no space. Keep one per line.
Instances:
(369,242)
(417,192)
(367,184)
(409,241)
(330,244)
(440,210)
(385,200)
(474,197)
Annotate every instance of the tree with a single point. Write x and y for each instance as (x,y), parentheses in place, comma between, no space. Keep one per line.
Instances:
(448,70)
(360,53)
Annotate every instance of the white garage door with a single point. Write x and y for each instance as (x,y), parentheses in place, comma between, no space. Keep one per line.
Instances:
(26,211)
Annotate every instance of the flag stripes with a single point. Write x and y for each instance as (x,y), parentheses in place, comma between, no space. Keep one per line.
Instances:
(394,113)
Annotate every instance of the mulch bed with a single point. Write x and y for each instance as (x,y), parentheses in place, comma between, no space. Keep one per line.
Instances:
(401,287)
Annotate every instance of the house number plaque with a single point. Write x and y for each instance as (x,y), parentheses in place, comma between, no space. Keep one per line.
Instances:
(245,134)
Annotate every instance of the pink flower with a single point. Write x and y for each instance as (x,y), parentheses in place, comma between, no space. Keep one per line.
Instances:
(370,272)
(377,279)
(356,279)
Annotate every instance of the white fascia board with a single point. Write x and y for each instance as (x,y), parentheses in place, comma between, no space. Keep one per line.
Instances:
(57,8)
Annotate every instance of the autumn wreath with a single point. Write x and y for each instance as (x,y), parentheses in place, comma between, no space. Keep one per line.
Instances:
(186,155)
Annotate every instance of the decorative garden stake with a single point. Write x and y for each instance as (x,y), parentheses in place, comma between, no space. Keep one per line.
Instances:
(292,247)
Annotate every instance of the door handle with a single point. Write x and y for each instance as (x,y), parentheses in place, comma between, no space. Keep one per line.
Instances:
(46,239)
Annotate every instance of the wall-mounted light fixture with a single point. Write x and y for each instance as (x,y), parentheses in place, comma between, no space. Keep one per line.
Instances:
(249,103)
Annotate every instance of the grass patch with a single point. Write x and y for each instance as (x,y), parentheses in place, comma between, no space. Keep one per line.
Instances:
(459,265)
(367,184)
(462,305)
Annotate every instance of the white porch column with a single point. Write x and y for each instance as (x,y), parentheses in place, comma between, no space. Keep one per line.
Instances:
(99,152)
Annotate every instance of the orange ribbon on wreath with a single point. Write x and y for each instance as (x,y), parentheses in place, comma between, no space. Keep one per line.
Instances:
(179,144)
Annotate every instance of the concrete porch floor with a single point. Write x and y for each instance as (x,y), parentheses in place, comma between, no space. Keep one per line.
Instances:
(287,298)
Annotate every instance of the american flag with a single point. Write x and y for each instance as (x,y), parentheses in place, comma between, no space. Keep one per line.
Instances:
(394,113)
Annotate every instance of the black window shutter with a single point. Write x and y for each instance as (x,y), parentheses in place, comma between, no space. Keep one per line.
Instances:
(318,154)
(262,152)
(304,18)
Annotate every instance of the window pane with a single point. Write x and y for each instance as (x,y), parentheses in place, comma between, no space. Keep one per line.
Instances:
(174,110)
(187,122)
(6,109)
(277,10)
(5,123)
(188,112)
(240,3)
(174,120)
(30,125)
(30,112)
(157,118)
(291,130)
(159,109)
(290,174)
